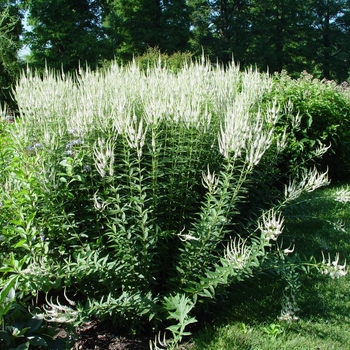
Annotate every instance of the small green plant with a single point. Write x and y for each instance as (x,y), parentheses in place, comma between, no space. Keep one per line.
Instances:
(21,328)
(273,329)
(244,328)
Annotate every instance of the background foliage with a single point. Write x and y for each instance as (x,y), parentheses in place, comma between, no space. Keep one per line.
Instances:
(291,35)
(10,31)
(323,116)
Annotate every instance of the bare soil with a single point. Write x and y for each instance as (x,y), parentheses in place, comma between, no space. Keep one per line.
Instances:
(97,335)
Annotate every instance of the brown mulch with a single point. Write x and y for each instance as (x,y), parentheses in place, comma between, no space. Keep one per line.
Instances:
(97,335)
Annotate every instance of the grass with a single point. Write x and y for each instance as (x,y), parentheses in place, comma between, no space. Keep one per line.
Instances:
(248,317)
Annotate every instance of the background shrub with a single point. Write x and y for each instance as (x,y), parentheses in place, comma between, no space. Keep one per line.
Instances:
(324,112)
(153,57)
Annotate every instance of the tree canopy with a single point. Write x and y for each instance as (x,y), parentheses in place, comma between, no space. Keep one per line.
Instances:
(290,35)
(66,33)
(10,31)
(136,25)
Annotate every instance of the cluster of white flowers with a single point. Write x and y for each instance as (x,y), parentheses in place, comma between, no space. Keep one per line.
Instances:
(99,204)
(289,309)
(285,251)
(59,313)
(209,180)
(74,131)
(259,141)
(339,226)
(281,141)
(35,269)
(135,136)
(271,225)
(343,195)
(242,131)
(186,236)
(310,181)
(321,150)
(332,268)
(238,253)
(104,156)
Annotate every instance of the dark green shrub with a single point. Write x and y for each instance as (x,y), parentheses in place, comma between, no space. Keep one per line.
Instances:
(153,57)
(324,111)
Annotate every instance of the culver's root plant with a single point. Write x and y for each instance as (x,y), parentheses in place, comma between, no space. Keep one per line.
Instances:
(123,188)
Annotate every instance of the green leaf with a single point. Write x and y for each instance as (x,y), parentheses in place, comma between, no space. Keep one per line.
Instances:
(22,244)
(34,323)
(77,178)
(5,336)
(4,310)
(7,288)
(182,272)
(174,329)
(24,346)
(205,293)
(57,344)
(6,269)
(56,283)
(36,340)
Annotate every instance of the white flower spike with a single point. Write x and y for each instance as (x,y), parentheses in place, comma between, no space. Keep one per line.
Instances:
(332,268)
(271,225)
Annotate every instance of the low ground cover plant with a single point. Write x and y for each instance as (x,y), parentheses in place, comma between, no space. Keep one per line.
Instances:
(127,189)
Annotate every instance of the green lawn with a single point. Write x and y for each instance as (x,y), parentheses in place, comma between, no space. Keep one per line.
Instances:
(248,317)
